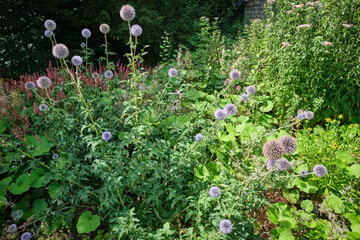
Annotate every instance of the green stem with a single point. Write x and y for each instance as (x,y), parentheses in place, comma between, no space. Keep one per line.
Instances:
(86,57)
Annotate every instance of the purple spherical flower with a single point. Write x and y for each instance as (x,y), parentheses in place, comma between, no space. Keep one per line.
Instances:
(43,82)
(127,13)
(48,33)
(95,75)
(82,45)
(234,74)
(304,173)
(300,116)
(30,85)
(226,226)
(250,90)
(283,164)
(106,136)
(320,170)
(86,33)
(136,30)
(214,192)
(172,72)
(55,156)
(104,28)
(273,150)
(50,25)
(309,115)
(289,144)
(220,114)
(60,51)
(43,107)
(244,97)
(199,137)
(108,74)
(12,228)
(26,236)
(270,164)
(230,109)
(76,61)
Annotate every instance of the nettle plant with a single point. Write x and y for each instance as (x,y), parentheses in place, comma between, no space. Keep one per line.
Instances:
(118,155)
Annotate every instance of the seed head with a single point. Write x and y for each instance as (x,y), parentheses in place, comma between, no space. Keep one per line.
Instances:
(220,114)
(43,82)
(26,236)
(12,228)
(127,13)
(273,150)
(95,75)
(104,28)
(48,33)
(309,115)
(106,136)
(244,97)
(199,137)
(214,192)
(60,51)
(43,107)
(86,33)
(320,170)
(76,61)
(283,164)
(136,30)
(230,109)
(173,72)
(289,144)
(304,173)
(108,74)
(50,25)
(250,90)
(226,226)
(234,74)
(30,85)
(55,156)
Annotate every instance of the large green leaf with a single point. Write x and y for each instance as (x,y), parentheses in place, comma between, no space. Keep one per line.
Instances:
(35,177)
(39,148)
(354,170)
(267,106)
(21,185)
(39,205)
(53,189)
(87,222)
(292,195)
(306,186)
(4,185)
(307,205)
(346,157)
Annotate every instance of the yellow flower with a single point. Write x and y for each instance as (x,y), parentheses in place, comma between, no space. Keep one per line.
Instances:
(309,129)
(328,119)
(340,116)
(322,132)
(335,146)
(356,125)
(333,121)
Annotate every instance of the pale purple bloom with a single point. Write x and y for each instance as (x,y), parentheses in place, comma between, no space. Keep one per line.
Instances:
(173,72)
(244,97)
(95,75)
(104,28)
(214,192)
(86,33)
(220,114)
(348,25)
(320,170)
(127,13)
(250,90)
(48,33)
(12,228)
(298,6)
(76,60)
(136,30)
(300,116)
(43,82)
(199,137)
(30,85)
(283,164)
(26,236)
(108,74)
(270,164)
(309,115)
(304,173)
(60,51)
(226,226)
(82,45)
(106,136)
(50,25)
(55,156)
(234,74)
(43,107)
(230,109)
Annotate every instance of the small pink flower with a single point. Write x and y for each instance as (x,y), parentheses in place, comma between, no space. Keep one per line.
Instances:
(285,44)
(326,43)
(348,25)
(309,4)
(271,1)
(298,6)
(238,88)
(288,12)
(305,26)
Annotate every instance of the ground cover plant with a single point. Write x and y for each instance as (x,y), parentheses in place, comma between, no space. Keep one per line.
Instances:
(196,148)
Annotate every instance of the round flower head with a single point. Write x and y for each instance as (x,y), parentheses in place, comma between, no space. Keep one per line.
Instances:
(104,28)
(50,25)
(136,30)
(283,164)
(26,236)
(273,150)
(127,13)
(48,33)
(82,45)
(172,72)
(226,226)
(86,33)
(106,136)
(30,85)
(43,107)
(60,51)
(320,170)
(304,173)
(220,114)
(214,192)
(76,61)
(12,228)
(289,144)
(230,109)
(234,74)
(95,75)
(199,137)
(244,97)
(250,90)
(43,82)
(309,115)
(108,74)
(270,164)
(300,116)
(55,156)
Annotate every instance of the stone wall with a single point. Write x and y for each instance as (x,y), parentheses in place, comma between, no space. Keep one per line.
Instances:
(253,10)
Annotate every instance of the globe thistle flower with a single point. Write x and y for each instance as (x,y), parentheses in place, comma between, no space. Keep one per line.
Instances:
(82,45)
(300,116)
(50,25)
(12,228)
(270,164)
(283,164)
(304,173)
(199,137)
(60,51)
(55,156)
(250,90)
(273,150)
(173,72)
(226,226)
(220,114)
(86,33)
(30,85)
(95,75)
(136,30)
(234,74)
(48,33)
(106,136)
(43,107)
(289,144)
(108,74)
(244,97)
(309,115)
(26,236)
(43,82)
(104,28)
(214,192)
(320,170)
(127,13)
(230,109)
(76,61)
